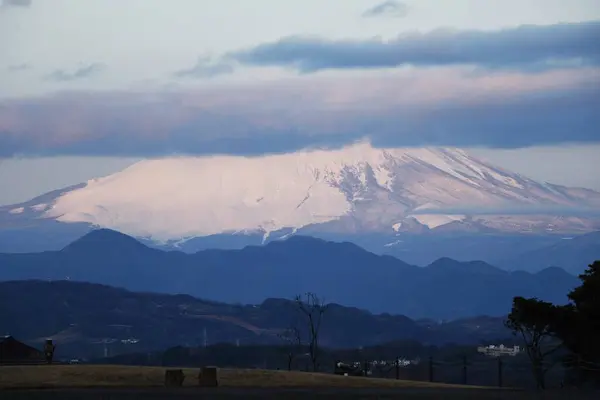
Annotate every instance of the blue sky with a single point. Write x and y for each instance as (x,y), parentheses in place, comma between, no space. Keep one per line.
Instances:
(89,87)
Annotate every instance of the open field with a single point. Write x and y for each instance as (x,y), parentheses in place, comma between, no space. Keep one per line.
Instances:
(86,376)
(126,382)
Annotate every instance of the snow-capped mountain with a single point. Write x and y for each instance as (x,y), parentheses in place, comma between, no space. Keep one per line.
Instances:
(358,188)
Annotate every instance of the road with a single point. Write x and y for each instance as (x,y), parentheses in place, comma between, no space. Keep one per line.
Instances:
(287,393)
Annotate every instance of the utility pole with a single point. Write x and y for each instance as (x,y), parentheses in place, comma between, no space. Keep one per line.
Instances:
(499,371)
(464,370)
(430,369)
(205,339)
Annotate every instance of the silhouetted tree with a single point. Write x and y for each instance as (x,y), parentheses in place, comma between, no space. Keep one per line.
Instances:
(312,309)
(575,326)
(533,319)
(579,327)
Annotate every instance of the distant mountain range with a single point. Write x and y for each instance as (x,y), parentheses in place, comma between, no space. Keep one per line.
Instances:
(568,253)
(85,319)
(419,204)
(340,272)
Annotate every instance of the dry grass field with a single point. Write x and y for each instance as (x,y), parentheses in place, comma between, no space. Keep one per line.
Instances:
(67,382)
(87,376)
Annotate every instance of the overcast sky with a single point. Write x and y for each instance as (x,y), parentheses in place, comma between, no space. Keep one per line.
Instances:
(88,87)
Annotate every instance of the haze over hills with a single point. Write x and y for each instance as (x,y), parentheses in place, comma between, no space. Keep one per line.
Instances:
(341,272)
(84,315)
(570,253)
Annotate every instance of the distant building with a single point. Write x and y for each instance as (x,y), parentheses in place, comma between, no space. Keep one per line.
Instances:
(402,362)
(497,351)
(13,351)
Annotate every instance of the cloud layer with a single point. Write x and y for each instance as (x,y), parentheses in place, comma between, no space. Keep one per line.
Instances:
(62,75)
(390,8)
(526,48)
(206,67)
(16,3)
(439,106)
(518,87)
(18,67)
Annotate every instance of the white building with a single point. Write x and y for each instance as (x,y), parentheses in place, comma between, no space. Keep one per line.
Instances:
(497,351)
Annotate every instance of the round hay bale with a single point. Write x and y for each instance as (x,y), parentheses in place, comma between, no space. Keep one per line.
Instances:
(174,377)
(209,377)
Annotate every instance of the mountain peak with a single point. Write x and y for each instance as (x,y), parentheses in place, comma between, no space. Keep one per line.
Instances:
(354,188)
(104,240)
(310,244)
(553,273)
(478,267)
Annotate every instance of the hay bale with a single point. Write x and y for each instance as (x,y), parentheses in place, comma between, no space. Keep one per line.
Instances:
(174,377)
(208,377)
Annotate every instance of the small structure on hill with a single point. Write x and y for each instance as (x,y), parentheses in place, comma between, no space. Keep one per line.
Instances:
(174,377)
(209,377)
(13,352)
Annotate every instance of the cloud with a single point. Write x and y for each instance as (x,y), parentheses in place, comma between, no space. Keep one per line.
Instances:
(206,67)
(388,8)
(16,3)
(61,75)
(18,67)
(445,107)
(526,48)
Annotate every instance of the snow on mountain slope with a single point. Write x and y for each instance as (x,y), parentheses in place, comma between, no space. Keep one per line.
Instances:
(373,189)
(435,220)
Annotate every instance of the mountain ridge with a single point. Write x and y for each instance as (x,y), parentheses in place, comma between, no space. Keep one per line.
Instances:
(86,315)
(341,272)
(568,253)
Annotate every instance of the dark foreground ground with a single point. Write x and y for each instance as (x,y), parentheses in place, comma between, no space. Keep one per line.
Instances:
(288,393)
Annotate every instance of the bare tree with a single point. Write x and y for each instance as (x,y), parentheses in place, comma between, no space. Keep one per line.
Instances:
(312,308)
(293,340)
